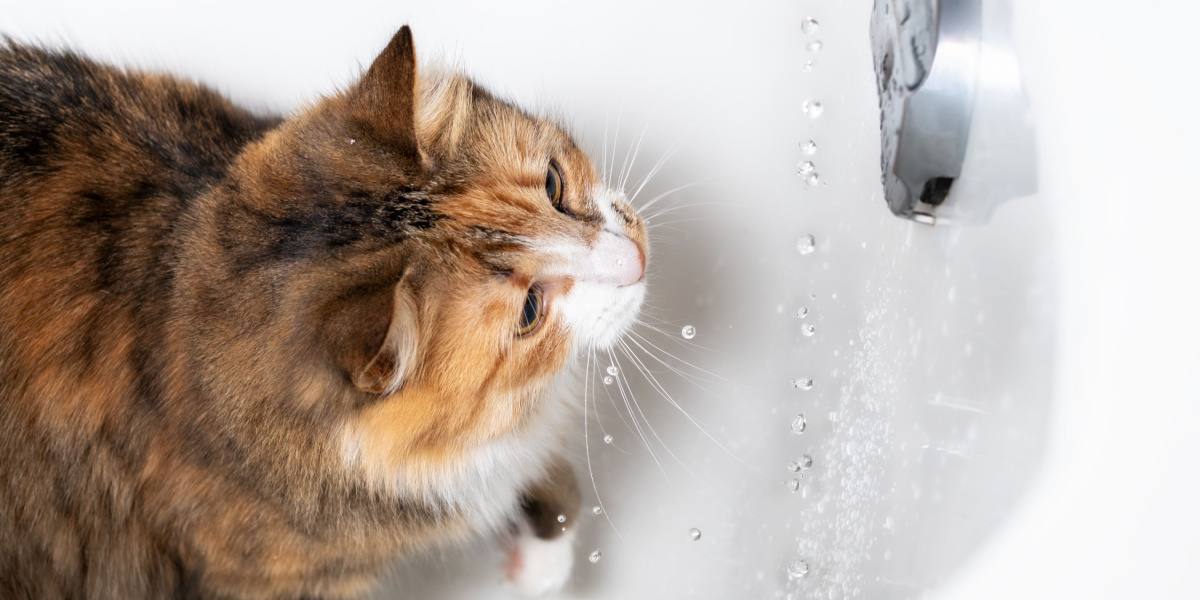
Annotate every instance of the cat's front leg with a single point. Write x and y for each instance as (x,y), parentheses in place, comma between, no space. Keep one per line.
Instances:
(541,554)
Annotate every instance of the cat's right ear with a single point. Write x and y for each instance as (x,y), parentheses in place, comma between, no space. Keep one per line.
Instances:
(383,102)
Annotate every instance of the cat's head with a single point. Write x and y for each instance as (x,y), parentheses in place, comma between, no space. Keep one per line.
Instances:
(441,253)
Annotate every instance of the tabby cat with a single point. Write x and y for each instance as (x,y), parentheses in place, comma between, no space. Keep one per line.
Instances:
(246,356)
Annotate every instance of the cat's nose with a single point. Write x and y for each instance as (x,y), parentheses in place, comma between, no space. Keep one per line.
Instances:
(617,260)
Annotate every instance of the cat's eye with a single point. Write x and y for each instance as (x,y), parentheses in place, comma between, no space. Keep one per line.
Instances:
(531,312)
(554,184)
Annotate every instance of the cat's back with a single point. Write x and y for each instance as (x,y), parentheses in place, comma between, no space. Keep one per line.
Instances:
(98,167)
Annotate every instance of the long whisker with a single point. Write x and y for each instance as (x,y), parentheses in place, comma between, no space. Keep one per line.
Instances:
(633,416)
(637,147)
(623,381)
(587,450)
(677,207)
(656,385)
(612,163)
(662,161)
(656,347)
(668,193)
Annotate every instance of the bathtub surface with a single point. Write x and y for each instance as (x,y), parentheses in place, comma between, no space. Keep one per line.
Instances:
(1002,410)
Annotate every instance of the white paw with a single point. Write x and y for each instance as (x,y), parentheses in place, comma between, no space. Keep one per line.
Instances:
(537,567)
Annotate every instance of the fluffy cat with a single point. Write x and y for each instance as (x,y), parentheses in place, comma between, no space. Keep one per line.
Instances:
(255,357)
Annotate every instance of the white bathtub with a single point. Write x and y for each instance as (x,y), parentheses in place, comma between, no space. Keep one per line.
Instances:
(997,411)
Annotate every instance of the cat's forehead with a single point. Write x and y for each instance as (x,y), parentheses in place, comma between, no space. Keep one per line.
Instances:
(459,118)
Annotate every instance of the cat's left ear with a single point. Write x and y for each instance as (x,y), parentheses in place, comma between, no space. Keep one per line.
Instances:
(384,101)
(372,335)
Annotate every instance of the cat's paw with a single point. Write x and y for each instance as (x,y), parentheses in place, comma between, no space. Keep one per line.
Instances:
(536,566)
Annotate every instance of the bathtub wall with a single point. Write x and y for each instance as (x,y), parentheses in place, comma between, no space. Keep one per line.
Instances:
(1002,410)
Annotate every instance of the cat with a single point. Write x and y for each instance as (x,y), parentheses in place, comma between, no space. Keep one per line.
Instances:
(246,356)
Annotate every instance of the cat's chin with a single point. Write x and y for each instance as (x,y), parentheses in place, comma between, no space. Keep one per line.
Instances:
(598,314)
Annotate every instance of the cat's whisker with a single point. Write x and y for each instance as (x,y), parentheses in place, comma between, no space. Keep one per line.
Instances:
(631,160)
(662,391)
(625,350)
(612,162)
(677,207)
(623,382)
(662,161)
(656,347)
(613,403)
(633,416)
(587,451)
(656,225)
(668,193)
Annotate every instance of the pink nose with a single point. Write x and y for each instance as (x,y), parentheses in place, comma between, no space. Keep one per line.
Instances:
(617,260)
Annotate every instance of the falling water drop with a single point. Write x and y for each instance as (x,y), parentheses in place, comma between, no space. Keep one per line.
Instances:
(799,424)
(351,141)
(809,148)
(813,108)
(801,312)
(608,439)
(694,534)
(612,370)
(806,167)
(809,25)
(807,244)
(688,332)
(808,330)
(808,66)
(594,557)
(561,518)
(797,569)
(803,383)
(813,179)
(596,510)
(815,46)
(794,485)
(805,462)
(608,380)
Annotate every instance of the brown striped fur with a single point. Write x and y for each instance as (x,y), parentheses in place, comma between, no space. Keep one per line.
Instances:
(199,306)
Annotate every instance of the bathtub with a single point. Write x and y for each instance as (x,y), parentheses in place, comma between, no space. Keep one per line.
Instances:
(999,409)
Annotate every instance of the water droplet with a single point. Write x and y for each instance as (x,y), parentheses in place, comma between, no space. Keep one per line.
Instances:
(608,380)
(794,466)
(561,518)
(351,141)
(799,424)
(801,312)
(807,244)
(608,439)
(694,534)
(809,147)
(815,46)
(805,462)
(802,383)
(809,25)
(688,332)
(797,569)
(808,330)
(813,179)
(806,167)
(594,557)
(612,370)
(813,108)
(596,510)
(794,485)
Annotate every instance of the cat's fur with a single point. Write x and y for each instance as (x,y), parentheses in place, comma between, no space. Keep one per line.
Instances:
(253,357)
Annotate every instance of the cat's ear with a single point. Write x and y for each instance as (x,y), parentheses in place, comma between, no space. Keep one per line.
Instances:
(384,99)
(373,336)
